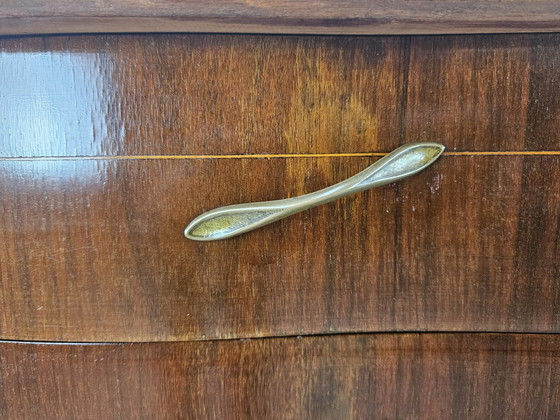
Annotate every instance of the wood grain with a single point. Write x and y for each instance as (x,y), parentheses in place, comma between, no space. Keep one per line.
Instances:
(99,174)
(280,16)
(92,231)
(420,376)
(221,95)
(94,250)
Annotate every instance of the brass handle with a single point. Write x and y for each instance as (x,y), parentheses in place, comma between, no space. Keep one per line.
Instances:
(228,221)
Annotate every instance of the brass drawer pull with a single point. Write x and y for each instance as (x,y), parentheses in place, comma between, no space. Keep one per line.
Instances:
(228,221)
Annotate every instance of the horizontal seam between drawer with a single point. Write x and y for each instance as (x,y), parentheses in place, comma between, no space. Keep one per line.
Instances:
(276,337)
(267,156)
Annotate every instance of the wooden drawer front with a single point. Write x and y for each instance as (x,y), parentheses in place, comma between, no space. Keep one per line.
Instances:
(98,182)
(470,244)
(211,94)
(347,376)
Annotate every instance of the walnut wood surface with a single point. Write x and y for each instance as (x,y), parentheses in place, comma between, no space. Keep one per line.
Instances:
(93,250)
(93,247)
(220,95)
(98,178)
(279,16)
(396,376)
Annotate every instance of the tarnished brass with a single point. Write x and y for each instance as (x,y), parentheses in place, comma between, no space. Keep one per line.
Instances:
(228,221)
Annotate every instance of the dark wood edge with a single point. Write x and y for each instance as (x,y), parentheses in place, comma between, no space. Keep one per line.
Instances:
(354,17)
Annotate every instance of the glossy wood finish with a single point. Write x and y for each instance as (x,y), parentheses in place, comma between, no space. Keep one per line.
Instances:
(222,95)
(100,175)
(278,16)
(94,250)
(420,376)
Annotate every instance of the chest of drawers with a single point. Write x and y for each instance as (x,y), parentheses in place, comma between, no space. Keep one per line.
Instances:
(413,299)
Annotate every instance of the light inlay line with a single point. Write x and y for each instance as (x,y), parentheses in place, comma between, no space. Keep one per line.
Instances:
(272,156)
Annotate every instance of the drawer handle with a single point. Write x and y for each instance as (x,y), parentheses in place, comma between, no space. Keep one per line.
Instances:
(228,221)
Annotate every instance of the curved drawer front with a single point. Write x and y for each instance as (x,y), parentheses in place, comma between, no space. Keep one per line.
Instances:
(111,145)
(346,376)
